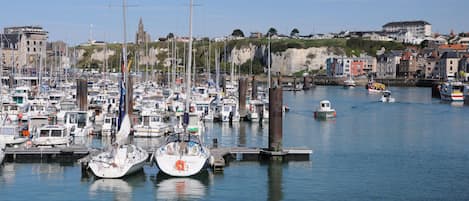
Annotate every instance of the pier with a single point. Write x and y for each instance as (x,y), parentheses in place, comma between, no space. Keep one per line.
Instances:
(45,154)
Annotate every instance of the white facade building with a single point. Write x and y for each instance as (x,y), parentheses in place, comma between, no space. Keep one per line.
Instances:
(418,29)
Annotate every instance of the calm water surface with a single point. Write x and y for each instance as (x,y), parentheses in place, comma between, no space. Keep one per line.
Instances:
(414,149)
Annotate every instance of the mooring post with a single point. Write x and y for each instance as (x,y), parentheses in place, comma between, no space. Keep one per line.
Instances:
(242,96)
(82,93)
(305,83)
(253,88)
(275,118)
(294,83)
(436,90)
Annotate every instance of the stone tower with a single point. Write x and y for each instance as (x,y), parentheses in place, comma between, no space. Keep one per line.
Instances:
(141,37)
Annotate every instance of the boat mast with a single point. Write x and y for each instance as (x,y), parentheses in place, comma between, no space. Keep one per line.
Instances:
(124,54)
(189,59)
(268,65)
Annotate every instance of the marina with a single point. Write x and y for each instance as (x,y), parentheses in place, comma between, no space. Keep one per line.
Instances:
(354,115)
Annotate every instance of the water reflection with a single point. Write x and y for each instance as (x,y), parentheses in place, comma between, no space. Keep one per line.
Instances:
(8,173)
(119,189)
(181,188)
(275,174)
(242,134)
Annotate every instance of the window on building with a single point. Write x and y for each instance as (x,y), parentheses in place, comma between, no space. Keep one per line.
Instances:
(34,42)
(451,62)
(34,50)
(451,68)
(40,42)
(27,42)
(28,49)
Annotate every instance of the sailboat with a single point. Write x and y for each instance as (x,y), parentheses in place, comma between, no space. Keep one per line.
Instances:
(183,154)
(122,158)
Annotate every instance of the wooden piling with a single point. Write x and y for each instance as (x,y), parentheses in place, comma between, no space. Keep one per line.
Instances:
(253,88)
(242,83)
(294,83)
(305,83)
(82,93)
(436,90)
(275,118)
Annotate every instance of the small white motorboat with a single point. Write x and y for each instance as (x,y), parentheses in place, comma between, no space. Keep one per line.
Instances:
(10,136)
(122,159)
(324,111)
(182,155)
(51,135)
(386,97)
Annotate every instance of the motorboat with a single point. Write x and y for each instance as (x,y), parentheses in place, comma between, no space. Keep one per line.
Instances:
(52,135)
(452,91)
(121,158)
(182,155)
(350,83)
(256,111)
(386,97)
(109,126)
(151,124)
(10,135)
(227,109)
(78,122)
(324,111)
(375,87)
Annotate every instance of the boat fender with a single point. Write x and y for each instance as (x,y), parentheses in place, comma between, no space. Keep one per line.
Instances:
(180,165)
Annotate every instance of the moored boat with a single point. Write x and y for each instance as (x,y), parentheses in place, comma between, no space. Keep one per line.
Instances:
(182,155)
(121,159)
(324,111)
(452,91)
(51,135)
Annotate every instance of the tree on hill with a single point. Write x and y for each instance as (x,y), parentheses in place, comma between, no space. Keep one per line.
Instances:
(272,32)
(294,33)
(237,33)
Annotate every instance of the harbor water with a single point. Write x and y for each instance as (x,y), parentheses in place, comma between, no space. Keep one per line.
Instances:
(413,149)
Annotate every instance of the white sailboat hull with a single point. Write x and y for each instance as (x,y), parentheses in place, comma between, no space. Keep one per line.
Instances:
(12,140)
(192,164)
(127,160)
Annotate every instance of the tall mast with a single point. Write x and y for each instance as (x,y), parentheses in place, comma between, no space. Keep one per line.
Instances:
(268,64)
(124,54)
(189,59)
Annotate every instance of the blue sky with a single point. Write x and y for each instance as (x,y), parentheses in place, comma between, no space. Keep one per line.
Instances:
(70,20)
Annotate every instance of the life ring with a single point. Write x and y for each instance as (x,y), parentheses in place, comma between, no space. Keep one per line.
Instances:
(180,164)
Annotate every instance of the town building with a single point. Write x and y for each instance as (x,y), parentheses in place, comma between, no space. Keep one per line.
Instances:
(448,66)
(407,65)
(431,67)
(387,64)
(141,36)
(23,47)
(418,29)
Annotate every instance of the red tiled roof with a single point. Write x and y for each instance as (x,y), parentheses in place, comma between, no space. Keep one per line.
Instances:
(454,46)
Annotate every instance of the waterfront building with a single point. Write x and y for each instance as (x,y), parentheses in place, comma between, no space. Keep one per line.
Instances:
(464,66)
(418,29)
(23,46)
(448,65)
(407,65)
(387,64)
(141,37)
(357,67)
(431,66)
